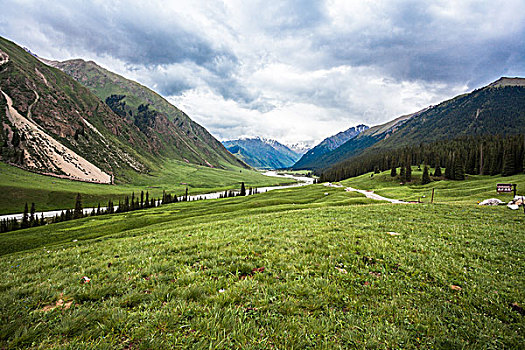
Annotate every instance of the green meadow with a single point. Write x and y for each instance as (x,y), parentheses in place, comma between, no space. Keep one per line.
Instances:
(305,267)
(50,193)
(474,189)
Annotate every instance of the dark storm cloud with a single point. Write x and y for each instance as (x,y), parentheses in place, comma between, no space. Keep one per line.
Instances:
(308,64)
(417,44)
(131,36)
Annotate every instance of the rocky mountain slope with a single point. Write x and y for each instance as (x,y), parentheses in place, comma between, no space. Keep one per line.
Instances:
(52,124)
(262,153)
(170,132)
(314,155)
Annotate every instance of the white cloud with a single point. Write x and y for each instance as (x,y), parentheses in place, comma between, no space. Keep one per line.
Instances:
(292,70)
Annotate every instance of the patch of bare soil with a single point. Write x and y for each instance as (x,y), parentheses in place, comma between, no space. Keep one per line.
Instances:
(44,152)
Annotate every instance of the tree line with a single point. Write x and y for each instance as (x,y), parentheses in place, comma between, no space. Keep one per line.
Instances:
(144,201)
(475,155)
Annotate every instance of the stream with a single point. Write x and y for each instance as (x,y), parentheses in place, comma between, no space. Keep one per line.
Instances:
(301,181)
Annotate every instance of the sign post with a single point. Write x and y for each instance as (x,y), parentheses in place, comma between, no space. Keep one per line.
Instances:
(506,188)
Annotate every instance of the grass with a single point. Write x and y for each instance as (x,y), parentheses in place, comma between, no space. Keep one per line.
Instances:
(287,269)
(474,189)
(50,193)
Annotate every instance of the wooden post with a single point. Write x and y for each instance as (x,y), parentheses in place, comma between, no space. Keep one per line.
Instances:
(432,200)
(514,189)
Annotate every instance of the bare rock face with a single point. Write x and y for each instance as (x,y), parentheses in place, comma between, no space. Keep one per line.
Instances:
(52,125)
(505,81)
(42,152)
(4,58)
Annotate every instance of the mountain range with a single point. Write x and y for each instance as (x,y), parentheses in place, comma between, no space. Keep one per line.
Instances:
(262,153)
(97,127)
(496,109)
(313,157)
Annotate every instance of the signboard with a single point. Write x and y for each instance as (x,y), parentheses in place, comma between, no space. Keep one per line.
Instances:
(505,188)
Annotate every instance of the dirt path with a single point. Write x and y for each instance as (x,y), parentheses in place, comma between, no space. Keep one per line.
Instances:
(372,195)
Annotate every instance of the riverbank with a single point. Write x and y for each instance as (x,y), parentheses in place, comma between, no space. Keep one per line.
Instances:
(301,181)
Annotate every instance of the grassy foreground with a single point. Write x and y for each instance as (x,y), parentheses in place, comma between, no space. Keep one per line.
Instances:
(50,193)
(285,269)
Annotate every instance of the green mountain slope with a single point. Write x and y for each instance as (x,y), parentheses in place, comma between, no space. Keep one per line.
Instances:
(52,124)
(445,134)
(310,159)
(359,143)
(171,133)
(262,153)
(495,109)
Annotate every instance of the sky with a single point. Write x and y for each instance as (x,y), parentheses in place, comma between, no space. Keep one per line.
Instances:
(289,70)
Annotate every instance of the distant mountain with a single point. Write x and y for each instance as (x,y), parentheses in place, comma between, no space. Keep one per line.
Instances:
(54,125)
(312,158)
(300,147)
(170,132)
(497,109)
(262,153)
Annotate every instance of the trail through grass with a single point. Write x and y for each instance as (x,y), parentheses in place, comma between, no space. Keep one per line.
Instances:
(474,189)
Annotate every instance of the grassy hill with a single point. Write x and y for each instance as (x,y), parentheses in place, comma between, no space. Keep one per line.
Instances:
(49,193)
(54,121)
(310,267)
(474,189)
(171,132)
(52,124)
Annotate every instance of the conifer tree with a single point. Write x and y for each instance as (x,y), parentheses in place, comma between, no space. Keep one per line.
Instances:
(32,215)
(402,174)
(508,163)
(425,178)
(42,220)
(132,201)
(14,225)
(437,172)
(458,169)
(243,190)
(408,173)
(141,199)
(25,217)
(146,201)
(78,213)
(393,171)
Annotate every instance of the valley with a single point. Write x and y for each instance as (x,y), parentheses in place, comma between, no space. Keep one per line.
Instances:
(147,232)
(296,261)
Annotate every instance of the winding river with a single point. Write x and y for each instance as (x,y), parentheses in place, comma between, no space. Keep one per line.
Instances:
(301,181)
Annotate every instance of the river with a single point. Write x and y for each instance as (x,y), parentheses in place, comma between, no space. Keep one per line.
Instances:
(301,181)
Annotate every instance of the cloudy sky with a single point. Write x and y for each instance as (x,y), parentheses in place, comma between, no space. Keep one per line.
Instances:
(290,70)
